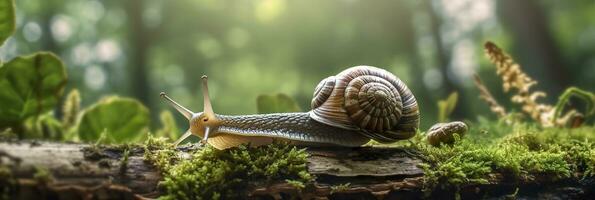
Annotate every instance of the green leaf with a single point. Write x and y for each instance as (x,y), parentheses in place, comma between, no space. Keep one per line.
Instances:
(45,126)
(6,20)
(123,120)
(445,107)
(587,97)
(280,103)
(169,129)
(30,86)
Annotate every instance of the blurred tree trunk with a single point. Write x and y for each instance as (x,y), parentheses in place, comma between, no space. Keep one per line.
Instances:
(535,44)
(47,40)
(139,43)
(443,55)
(417,85)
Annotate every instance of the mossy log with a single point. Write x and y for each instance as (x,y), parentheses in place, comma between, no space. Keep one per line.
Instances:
(43,170)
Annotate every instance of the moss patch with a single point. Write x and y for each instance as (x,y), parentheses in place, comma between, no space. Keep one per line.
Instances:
(520,153)
(7,182)
(124,161)
(211,173)
(43,175)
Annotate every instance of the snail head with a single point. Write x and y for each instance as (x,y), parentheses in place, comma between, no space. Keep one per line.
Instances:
(201,123)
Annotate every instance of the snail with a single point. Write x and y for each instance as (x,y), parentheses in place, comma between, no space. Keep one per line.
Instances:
(444,132)
(357,105)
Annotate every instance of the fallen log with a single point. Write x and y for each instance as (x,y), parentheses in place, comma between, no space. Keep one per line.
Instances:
(46,170)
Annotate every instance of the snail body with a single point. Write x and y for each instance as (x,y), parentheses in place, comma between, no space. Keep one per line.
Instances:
(349,109)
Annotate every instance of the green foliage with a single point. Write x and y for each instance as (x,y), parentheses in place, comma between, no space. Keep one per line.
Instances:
(30,86)
(587,97)
(215,174)
(123,120)
(7,134)
(7,20)
(446,106)
(44,126)
(280,103)
(169,129)
(42,175)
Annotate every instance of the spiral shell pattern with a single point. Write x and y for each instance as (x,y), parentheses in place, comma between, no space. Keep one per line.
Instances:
(323,91)
(368,99)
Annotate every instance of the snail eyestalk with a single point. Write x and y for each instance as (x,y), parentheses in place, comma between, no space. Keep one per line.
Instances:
(210,120)
(208,109)
(184,111)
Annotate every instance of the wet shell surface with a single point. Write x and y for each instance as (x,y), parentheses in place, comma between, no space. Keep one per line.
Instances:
(368,99)
(323,91)
(443,133)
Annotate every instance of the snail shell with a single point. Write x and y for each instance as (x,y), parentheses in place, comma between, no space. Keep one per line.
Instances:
(444,132)
(370,100)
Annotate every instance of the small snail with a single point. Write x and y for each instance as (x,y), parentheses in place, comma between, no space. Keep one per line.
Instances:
(444,132)
(349,109)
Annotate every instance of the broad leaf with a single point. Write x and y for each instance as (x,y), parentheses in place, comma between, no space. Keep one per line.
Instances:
(123,120)
(445,107)
(6,19)
(45,126)
(169,129)
(30,85)
(280,103)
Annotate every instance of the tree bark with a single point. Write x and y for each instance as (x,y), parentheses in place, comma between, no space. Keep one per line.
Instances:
(82,171)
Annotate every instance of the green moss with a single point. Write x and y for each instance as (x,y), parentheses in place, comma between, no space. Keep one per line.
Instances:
(160,152)
(462,163)
(212,173)
(42,175)
(590,168)
(7,182)
(520,152)
(124,161)
(524,152)
(296,184)
(8,134)
(340,187)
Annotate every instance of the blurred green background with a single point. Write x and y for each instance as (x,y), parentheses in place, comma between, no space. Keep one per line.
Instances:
(138,48)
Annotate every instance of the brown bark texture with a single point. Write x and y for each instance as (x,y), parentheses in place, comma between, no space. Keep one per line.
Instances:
(84,171)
